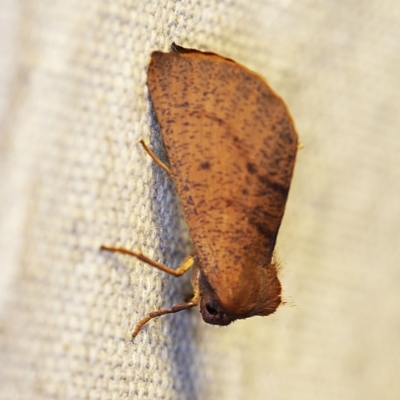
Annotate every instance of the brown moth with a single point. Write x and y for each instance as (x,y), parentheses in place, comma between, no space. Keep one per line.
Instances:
(232,146)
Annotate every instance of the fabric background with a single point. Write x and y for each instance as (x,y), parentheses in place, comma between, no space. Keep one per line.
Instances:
(73,107)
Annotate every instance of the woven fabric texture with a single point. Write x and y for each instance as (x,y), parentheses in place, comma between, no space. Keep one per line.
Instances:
(73,107)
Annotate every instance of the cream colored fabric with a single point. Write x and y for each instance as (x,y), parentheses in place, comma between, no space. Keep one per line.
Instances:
(73,108)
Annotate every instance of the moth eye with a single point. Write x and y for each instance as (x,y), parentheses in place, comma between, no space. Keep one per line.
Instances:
(211,309)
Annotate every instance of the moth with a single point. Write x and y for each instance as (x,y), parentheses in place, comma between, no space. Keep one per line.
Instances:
(231,145)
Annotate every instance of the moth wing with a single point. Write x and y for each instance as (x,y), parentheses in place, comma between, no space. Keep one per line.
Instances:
(232,145)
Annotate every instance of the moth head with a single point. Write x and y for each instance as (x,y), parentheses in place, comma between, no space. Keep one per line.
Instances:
(212,311)
(262,299)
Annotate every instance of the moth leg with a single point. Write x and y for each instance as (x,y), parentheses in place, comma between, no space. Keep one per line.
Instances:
(155,158)
(175,308)
(187,263)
